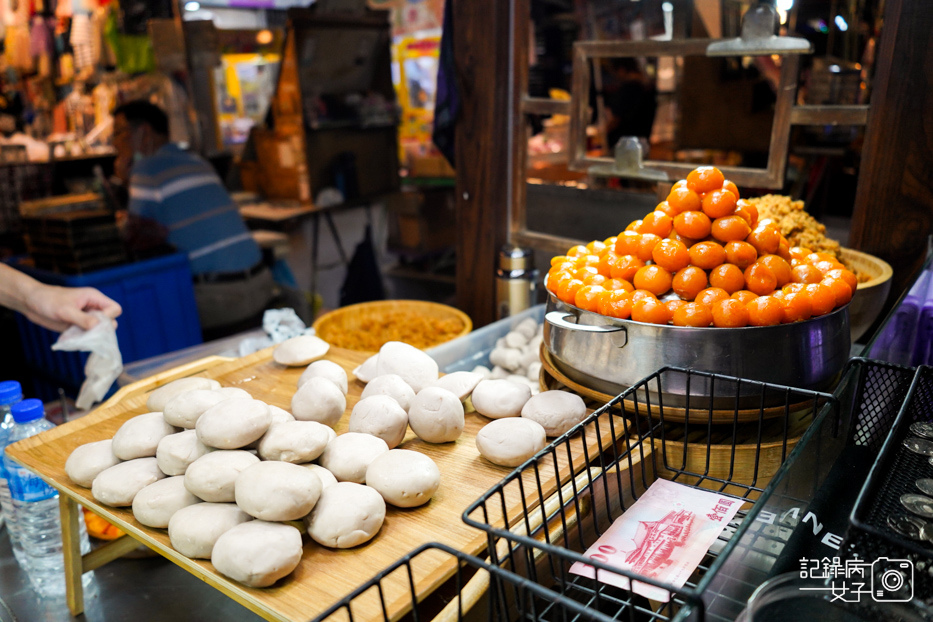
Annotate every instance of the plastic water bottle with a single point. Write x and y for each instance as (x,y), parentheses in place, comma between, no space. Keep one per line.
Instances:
(10,393)
(35,505)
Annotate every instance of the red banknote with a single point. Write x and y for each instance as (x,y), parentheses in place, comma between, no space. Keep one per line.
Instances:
(664,536)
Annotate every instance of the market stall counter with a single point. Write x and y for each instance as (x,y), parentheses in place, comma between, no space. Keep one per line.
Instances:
(323,575)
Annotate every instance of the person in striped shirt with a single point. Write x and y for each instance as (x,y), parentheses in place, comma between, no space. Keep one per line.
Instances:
(179,195)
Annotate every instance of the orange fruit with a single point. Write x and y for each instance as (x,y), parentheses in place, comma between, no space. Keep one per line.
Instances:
(692,224)
(693,314)
(730,228)
(683,199)
(780,268)
(847,276)
(806,273)
(627,243)
(729,313)
(624,267)
(616,304)
(821,298)
(731,187)
(759,279)
(653,278)
(744,296)
(707,255)
(711,295)
(797,307)
(741,254)
(747,211)
(671,255)
(657,223)
(718,203)
(728,277)
(587,297)
(689,282)
(765,239)
(576,251)
(840,289)
(650,310)
(567,290)
(765,311)
(705,178)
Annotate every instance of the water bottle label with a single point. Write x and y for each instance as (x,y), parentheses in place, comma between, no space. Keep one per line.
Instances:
(27,486)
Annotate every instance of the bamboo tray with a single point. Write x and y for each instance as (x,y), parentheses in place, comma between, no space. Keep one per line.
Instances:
(323,575)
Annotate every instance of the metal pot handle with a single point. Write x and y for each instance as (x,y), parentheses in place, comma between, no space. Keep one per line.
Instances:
(559,318)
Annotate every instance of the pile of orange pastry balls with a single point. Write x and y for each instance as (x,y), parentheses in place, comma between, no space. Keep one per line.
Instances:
(701,258)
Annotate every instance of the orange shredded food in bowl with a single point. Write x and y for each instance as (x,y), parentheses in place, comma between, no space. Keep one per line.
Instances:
(367,330)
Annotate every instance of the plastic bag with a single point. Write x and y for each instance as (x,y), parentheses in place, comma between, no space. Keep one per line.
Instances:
(279,324)
(103,365)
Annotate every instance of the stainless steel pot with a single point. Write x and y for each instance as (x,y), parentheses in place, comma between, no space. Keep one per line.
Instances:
(610,355)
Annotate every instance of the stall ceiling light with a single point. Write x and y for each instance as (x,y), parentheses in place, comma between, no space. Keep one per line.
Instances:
(841,23)
(192,6)
(264,37)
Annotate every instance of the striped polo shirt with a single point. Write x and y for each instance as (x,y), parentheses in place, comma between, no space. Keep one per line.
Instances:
(182,191)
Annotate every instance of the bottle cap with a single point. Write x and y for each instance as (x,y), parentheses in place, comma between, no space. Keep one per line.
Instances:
(515,258)
(27,410)
(10,392)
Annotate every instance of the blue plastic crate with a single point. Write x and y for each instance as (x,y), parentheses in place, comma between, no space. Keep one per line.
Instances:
(159,316)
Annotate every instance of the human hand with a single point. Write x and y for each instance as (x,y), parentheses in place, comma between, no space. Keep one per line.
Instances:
(57,308)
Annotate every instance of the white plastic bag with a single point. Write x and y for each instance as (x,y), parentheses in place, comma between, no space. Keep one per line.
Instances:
(279,324)
(103,365)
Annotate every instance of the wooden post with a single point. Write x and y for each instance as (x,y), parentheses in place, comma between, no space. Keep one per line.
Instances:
(489,40)
(71,548)
(893,213)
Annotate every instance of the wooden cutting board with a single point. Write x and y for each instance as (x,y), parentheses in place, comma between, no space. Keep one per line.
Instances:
(323,575)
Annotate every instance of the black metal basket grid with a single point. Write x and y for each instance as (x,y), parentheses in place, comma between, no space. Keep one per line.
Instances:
(894,473)
(21,181)
(552,530)
(509,597)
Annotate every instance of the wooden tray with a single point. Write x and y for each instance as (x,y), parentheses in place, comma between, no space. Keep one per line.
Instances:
(324,575)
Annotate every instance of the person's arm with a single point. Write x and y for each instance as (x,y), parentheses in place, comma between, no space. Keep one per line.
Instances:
(53,307)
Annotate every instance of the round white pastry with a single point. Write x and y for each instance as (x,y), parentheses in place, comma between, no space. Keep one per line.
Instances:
(280,415)
(527,327)
(319,400)
(497,373)
(233,392)
(184,409)
(500,398)
(326,369)
(460,383)
(381,416)
(510,441)
(257,553)
(212,477)
(404,478)
(294,441)
(415,367)
(139,437)
(529,357)
(194,529)
(436,415)
(87,461)
(300,350)
(367,371)
(483,370)
(327,478)
(534,371)
(515,339)
(346,515)
(118,485)
(556,411)
(348,455)
(233,423)
(393,386)
(160,397)
(507,358)
(277,491)
(154,505)
(177,451)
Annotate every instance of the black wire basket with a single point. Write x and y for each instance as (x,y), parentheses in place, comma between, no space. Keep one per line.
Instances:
(873,535)
(394,592)
(644,439)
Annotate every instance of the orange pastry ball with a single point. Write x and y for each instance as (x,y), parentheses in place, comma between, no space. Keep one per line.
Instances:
(705,179)
(693,314)
(653,278)
(651,311)
(730,313)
